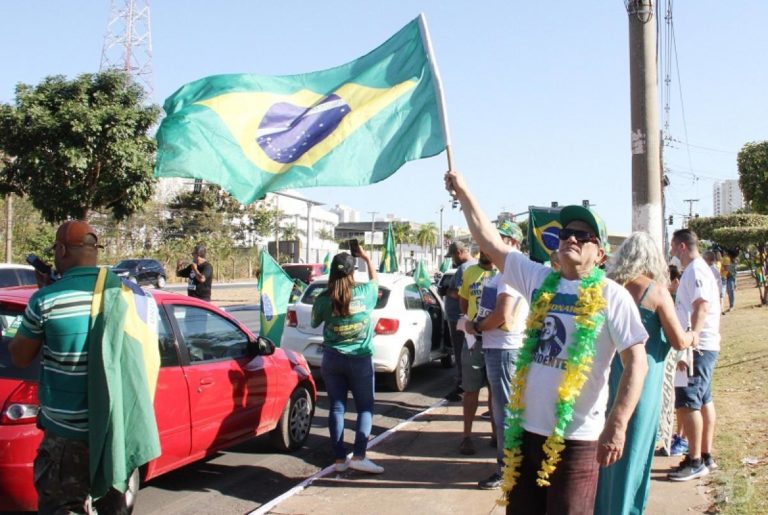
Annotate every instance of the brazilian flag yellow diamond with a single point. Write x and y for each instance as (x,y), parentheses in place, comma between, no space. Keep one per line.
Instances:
(277,132)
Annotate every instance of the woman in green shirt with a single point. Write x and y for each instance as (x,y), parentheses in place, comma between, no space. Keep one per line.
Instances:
(345,310)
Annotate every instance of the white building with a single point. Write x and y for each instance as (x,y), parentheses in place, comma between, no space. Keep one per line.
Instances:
(727,197)
(345,213)
(311,220)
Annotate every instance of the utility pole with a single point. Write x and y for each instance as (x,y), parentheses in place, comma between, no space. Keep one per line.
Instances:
(440,236)
(690,209)
(9,228)
(646,160)
(373,224)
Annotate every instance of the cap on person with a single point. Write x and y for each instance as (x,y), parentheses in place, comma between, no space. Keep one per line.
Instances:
(76,233)
(456,248)
(583,214)
(510,230)
(343,264)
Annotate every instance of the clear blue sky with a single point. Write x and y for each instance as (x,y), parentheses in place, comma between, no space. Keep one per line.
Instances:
(537,92)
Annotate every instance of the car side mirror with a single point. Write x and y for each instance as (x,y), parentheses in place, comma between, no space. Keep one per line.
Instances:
(261,347)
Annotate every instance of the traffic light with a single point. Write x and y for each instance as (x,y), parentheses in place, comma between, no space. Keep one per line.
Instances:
(671,220)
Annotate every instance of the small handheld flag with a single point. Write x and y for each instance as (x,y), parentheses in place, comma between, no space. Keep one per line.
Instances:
(389,257)
(275,287)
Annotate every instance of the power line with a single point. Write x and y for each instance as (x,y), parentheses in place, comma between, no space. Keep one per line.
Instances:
(700,147)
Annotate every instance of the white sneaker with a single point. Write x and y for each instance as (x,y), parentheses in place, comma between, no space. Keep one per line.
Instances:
(365,465)
(341,466)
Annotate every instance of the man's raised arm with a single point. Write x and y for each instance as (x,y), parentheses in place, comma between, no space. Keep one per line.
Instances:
(483,232)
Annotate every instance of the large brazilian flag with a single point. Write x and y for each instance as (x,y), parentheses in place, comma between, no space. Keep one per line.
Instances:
(543,232)
(275,288)
(123,365)
(352,125)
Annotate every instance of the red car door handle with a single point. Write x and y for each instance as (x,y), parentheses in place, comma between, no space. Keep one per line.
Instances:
(204,383)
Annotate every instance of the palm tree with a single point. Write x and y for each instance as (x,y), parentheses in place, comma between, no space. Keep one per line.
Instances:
(427,236)
(403,233)
(325,234)
(290,232)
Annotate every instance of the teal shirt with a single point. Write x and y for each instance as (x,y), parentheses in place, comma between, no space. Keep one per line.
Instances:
(352,335)
(59,316)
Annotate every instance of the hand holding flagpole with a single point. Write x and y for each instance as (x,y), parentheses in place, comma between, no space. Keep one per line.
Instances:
(427,42)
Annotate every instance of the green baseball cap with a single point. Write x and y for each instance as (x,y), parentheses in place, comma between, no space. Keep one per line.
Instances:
(511,230)
(583,214)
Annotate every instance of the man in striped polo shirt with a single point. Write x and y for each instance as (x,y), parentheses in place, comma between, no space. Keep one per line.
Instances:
(56,323)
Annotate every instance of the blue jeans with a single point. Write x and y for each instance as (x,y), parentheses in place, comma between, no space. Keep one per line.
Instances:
(730,285)
(341,374)
(500,367)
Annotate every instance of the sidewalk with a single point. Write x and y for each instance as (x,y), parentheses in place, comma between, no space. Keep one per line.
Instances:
(424,473)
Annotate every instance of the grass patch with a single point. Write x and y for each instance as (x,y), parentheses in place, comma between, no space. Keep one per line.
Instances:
(740,388)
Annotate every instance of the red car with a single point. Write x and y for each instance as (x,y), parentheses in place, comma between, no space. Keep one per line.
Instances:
(219,385)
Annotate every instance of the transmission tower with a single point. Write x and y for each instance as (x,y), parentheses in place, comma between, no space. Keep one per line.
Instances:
(128,41)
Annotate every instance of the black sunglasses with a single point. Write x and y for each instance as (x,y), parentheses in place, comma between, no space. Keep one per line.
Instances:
(580,236)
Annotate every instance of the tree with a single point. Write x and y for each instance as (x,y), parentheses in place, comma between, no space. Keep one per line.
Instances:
(198,215)
(325,234)
(427,236)
(707,227)
(752,162)
(79,146)
(746,232)
(263,218)
(403,233)
(31,234)
(290,232)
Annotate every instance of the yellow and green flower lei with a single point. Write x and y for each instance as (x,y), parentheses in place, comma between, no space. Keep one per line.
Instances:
(588,322)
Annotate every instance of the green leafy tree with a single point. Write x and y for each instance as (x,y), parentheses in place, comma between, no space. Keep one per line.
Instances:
(289,232)
(198,215)
(77,146)
(426,237)
(752,162)
(263,217)
(403,233)
(325,234)
(706,227)
(31,234)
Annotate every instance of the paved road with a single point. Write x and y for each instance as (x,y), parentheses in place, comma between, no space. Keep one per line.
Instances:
(242,478)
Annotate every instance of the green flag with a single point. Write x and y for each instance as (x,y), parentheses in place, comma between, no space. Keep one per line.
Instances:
(275,288)
(352,125)
(446,264)
(543,232)
(327,263)
(421,276)
(389,257)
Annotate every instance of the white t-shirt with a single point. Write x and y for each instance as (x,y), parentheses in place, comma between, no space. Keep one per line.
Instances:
(508,335)
(697,282)
(622,329)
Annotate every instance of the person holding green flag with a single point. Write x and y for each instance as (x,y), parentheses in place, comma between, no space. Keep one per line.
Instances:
(97,378)
(344,309)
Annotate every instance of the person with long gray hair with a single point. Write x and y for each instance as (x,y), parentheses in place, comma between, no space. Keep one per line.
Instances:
(639,265)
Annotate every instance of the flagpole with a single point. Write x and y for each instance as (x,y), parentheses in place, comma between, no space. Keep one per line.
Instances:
(442,111)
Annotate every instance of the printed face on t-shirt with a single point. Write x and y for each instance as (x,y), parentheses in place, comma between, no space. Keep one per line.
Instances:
(552,338)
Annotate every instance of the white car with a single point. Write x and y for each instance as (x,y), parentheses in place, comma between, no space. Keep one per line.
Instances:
(410,328)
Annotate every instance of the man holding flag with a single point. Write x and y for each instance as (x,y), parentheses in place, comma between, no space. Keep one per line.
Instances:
(99,370)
